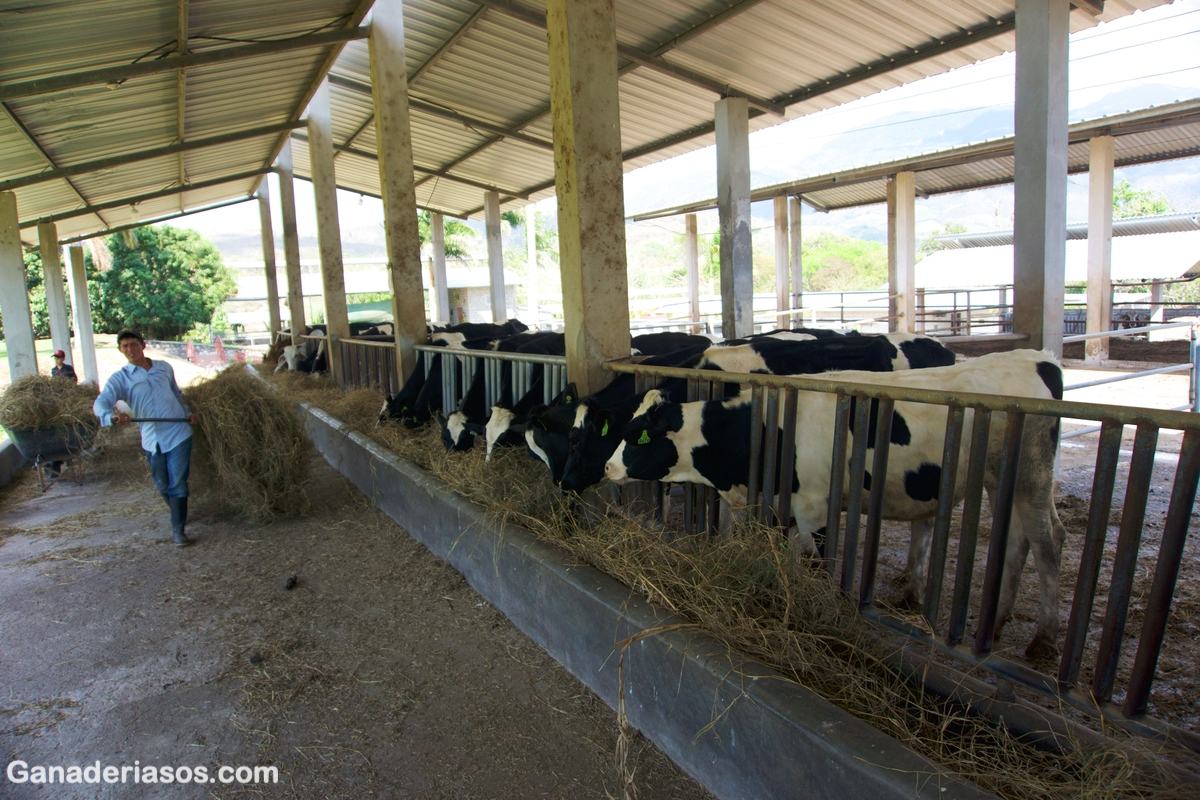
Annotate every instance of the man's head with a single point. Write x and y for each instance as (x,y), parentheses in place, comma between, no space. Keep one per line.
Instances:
(131,344)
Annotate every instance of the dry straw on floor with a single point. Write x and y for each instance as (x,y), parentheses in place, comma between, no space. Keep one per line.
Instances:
(252,442)
(38,401)
(753,593)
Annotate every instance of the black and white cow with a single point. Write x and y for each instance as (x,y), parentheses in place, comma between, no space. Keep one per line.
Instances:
(594,431)
(455,335)
(659,344)
(708,442)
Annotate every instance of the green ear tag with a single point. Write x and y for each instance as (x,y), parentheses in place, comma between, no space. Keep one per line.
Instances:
(604,430)
(568,400)
(644,438)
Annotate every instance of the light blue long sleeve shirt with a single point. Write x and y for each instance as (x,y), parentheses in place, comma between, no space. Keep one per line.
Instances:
(150,393)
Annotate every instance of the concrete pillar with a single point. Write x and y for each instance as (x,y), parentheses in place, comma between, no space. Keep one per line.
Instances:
(329,231)
(1156,302)
(1099,275)
(291,242)
(782,272)
(585,110)
(797,259)
(495,250)
(268,248)
(531,261)
(14,299)
(56,297)
(393,142)
(440,289)
(691,256)
(902,252)
(733,205)
(81,307)
(1040,196)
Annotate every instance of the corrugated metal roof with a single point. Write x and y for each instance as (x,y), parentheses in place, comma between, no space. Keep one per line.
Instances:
(1154,134)
(487,65)
(1132,226)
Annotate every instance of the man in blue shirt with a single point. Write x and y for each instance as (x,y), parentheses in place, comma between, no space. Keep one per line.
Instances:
(150,389)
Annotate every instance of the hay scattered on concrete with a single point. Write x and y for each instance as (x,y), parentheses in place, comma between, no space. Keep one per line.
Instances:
(252,442)
(763,600)
(39,401)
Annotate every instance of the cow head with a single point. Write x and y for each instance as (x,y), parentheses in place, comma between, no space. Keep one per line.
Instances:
(648,451)
(546,436)
(499,430)
(457,433)
(592,439)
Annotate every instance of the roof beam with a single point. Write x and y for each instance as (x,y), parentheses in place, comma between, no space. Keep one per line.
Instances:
(708,24)
(649,60)
(424,68)
(142,198)
(164,218)
(181,40)
(445,113)
(1093,7)
(145,155)
(218,55)
(28,134)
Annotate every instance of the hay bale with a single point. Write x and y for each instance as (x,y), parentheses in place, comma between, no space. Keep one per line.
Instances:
(39,401)
(252,443)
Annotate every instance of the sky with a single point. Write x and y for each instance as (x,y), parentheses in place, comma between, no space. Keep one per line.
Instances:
(1147,58)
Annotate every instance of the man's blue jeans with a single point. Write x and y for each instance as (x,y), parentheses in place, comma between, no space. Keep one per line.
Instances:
(170,469)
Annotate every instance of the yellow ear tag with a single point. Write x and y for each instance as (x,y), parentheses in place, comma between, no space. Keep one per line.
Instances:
(604,430)
(644,438)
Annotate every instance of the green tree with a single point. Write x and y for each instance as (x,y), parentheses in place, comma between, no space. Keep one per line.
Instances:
(929,245)
(171,280)
(457,234)
(837,263)
(1130,202)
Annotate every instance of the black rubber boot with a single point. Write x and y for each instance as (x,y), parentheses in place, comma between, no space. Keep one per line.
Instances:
(178,520)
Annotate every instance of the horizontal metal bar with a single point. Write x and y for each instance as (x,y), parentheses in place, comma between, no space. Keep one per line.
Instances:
(1175,420)
(217,55)
(1079,337)
(1129,376)
(533,359)
(369,343)
(440,173)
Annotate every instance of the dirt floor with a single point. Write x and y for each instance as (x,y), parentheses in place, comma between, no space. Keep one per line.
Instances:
(381,673)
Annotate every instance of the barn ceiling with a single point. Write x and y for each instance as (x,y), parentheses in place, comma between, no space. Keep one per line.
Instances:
(114,112)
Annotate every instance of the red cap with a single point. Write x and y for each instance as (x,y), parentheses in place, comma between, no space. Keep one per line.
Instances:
(59,354)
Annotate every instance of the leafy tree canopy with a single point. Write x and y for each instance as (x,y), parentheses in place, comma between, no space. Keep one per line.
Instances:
(836,263)
(930,245)
(457,234)
(1131,202)
(169,281)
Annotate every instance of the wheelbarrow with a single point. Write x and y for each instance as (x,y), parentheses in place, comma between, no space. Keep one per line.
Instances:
(59,445)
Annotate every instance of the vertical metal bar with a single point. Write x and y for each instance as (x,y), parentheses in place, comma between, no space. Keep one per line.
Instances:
(691,494)
(969,533)
(837,481)
(998,541)
(1170,555)
(1194,388)
(787,461)
(883,444)
(936,572)
(1137,491)
(548,384)
(858,468)
(1103,480)
(756,441)
(770,454)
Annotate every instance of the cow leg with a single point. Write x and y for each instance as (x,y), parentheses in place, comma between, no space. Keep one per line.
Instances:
(1045,535)
(919,546)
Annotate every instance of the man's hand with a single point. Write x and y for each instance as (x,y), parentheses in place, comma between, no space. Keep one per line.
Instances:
(193,420)
(121,418)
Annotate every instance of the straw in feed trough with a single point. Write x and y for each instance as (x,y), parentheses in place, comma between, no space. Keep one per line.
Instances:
(252,442)
(749,590)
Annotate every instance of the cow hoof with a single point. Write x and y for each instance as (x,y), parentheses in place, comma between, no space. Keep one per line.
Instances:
(1041,649)
(910,602)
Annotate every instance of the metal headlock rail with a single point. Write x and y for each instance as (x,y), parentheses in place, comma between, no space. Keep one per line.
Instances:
(367,363)
(459,367)
(774,401)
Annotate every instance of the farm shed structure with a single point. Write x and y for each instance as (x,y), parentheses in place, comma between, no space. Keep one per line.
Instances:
(118,113)
(1096,146)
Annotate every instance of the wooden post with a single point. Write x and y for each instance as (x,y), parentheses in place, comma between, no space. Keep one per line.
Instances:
(268,247)
(291,242)
(691,257)
(783,298)
(14,299)
(733,204)
(393,143)
(1040,161)
(588,175)
(81,307)
(1099,275)
(56,297)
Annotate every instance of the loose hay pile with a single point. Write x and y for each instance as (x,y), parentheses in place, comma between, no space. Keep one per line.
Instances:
(38,401)
(749,591)
(252,442)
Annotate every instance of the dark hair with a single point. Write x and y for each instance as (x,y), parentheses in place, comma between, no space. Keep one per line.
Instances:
(128,333)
